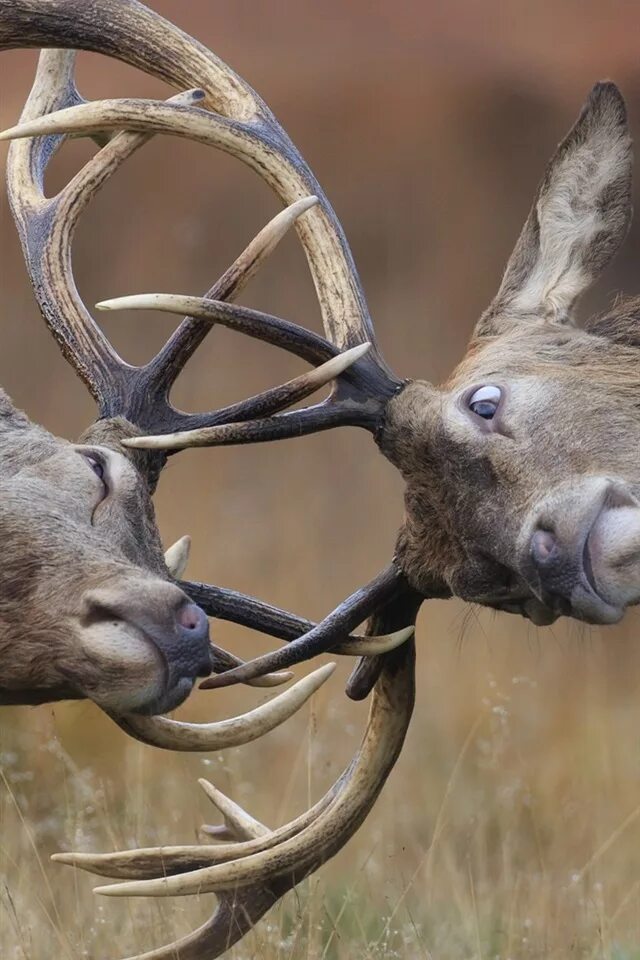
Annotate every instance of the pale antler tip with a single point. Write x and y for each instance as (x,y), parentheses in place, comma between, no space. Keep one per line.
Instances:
(10,133)
(176,557)
(359,350)
(306,203)
(115,303)
(405,634)
(323,673)
(115,890)
(144,443)
(275,679)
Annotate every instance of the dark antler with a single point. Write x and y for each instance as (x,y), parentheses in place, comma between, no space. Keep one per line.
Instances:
(221,110)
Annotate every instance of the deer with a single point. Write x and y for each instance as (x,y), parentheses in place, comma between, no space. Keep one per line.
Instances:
(520,492)
(90,605)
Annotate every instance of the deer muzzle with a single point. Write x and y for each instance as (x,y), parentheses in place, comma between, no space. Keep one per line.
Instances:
(152,638)
(581,550)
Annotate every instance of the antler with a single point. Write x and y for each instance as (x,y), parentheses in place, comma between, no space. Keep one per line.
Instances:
(177,735)
(217,109)
(252,872)
(306,640)
(223,112)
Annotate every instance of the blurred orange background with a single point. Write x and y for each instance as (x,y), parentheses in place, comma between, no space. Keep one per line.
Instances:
(428,125)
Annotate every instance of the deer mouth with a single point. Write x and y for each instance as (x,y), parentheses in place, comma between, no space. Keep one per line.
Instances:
(182,665)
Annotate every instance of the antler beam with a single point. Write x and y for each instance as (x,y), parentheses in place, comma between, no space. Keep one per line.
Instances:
(231,118)
(260,865)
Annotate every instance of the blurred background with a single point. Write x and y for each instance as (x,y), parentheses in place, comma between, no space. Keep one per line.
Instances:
(510,827)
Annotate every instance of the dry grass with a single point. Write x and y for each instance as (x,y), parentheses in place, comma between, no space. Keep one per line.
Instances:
(510,828)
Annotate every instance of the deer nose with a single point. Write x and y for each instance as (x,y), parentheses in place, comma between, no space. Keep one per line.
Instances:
(580,546)
(162,613)
(193,626)
(556,567)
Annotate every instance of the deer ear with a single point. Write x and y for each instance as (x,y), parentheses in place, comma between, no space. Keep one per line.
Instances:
(578,220)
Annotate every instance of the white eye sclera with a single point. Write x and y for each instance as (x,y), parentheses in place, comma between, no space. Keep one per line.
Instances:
(485,401)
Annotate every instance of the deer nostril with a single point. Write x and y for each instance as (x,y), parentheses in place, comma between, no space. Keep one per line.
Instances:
(544,547)
(192,620)
(189,616)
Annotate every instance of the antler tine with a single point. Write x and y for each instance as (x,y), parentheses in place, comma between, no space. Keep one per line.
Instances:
(143,393)
(49,263)
(149,862)
(247,611)
(159,731)
(176,558)
(364,602)
(242,126)
(249,877)
(222,660)
(354,386)
(190,334)
(237,821)
(253,323)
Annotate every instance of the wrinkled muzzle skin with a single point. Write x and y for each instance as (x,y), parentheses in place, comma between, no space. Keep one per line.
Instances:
(522,473)
(87,607)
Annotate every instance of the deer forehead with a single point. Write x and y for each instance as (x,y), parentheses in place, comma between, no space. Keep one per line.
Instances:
(569,401)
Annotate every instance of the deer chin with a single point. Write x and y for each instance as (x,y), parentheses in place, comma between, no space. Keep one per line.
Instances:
(128,671)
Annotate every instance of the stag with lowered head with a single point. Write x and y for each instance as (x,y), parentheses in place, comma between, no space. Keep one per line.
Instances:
(259,865)
(89,606)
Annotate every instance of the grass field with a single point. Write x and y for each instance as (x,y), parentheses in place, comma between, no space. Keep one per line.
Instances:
(510,828)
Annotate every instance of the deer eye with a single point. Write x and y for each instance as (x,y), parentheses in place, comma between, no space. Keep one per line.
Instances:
(100,471)
(484,402)
(97,467)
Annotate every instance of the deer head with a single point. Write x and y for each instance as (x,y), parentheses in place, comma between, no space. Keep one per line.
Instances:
(88,607)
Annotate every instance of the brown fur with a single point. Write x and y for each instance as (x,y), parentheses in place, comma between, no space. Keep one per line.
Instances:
(79,574)
(570,404)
